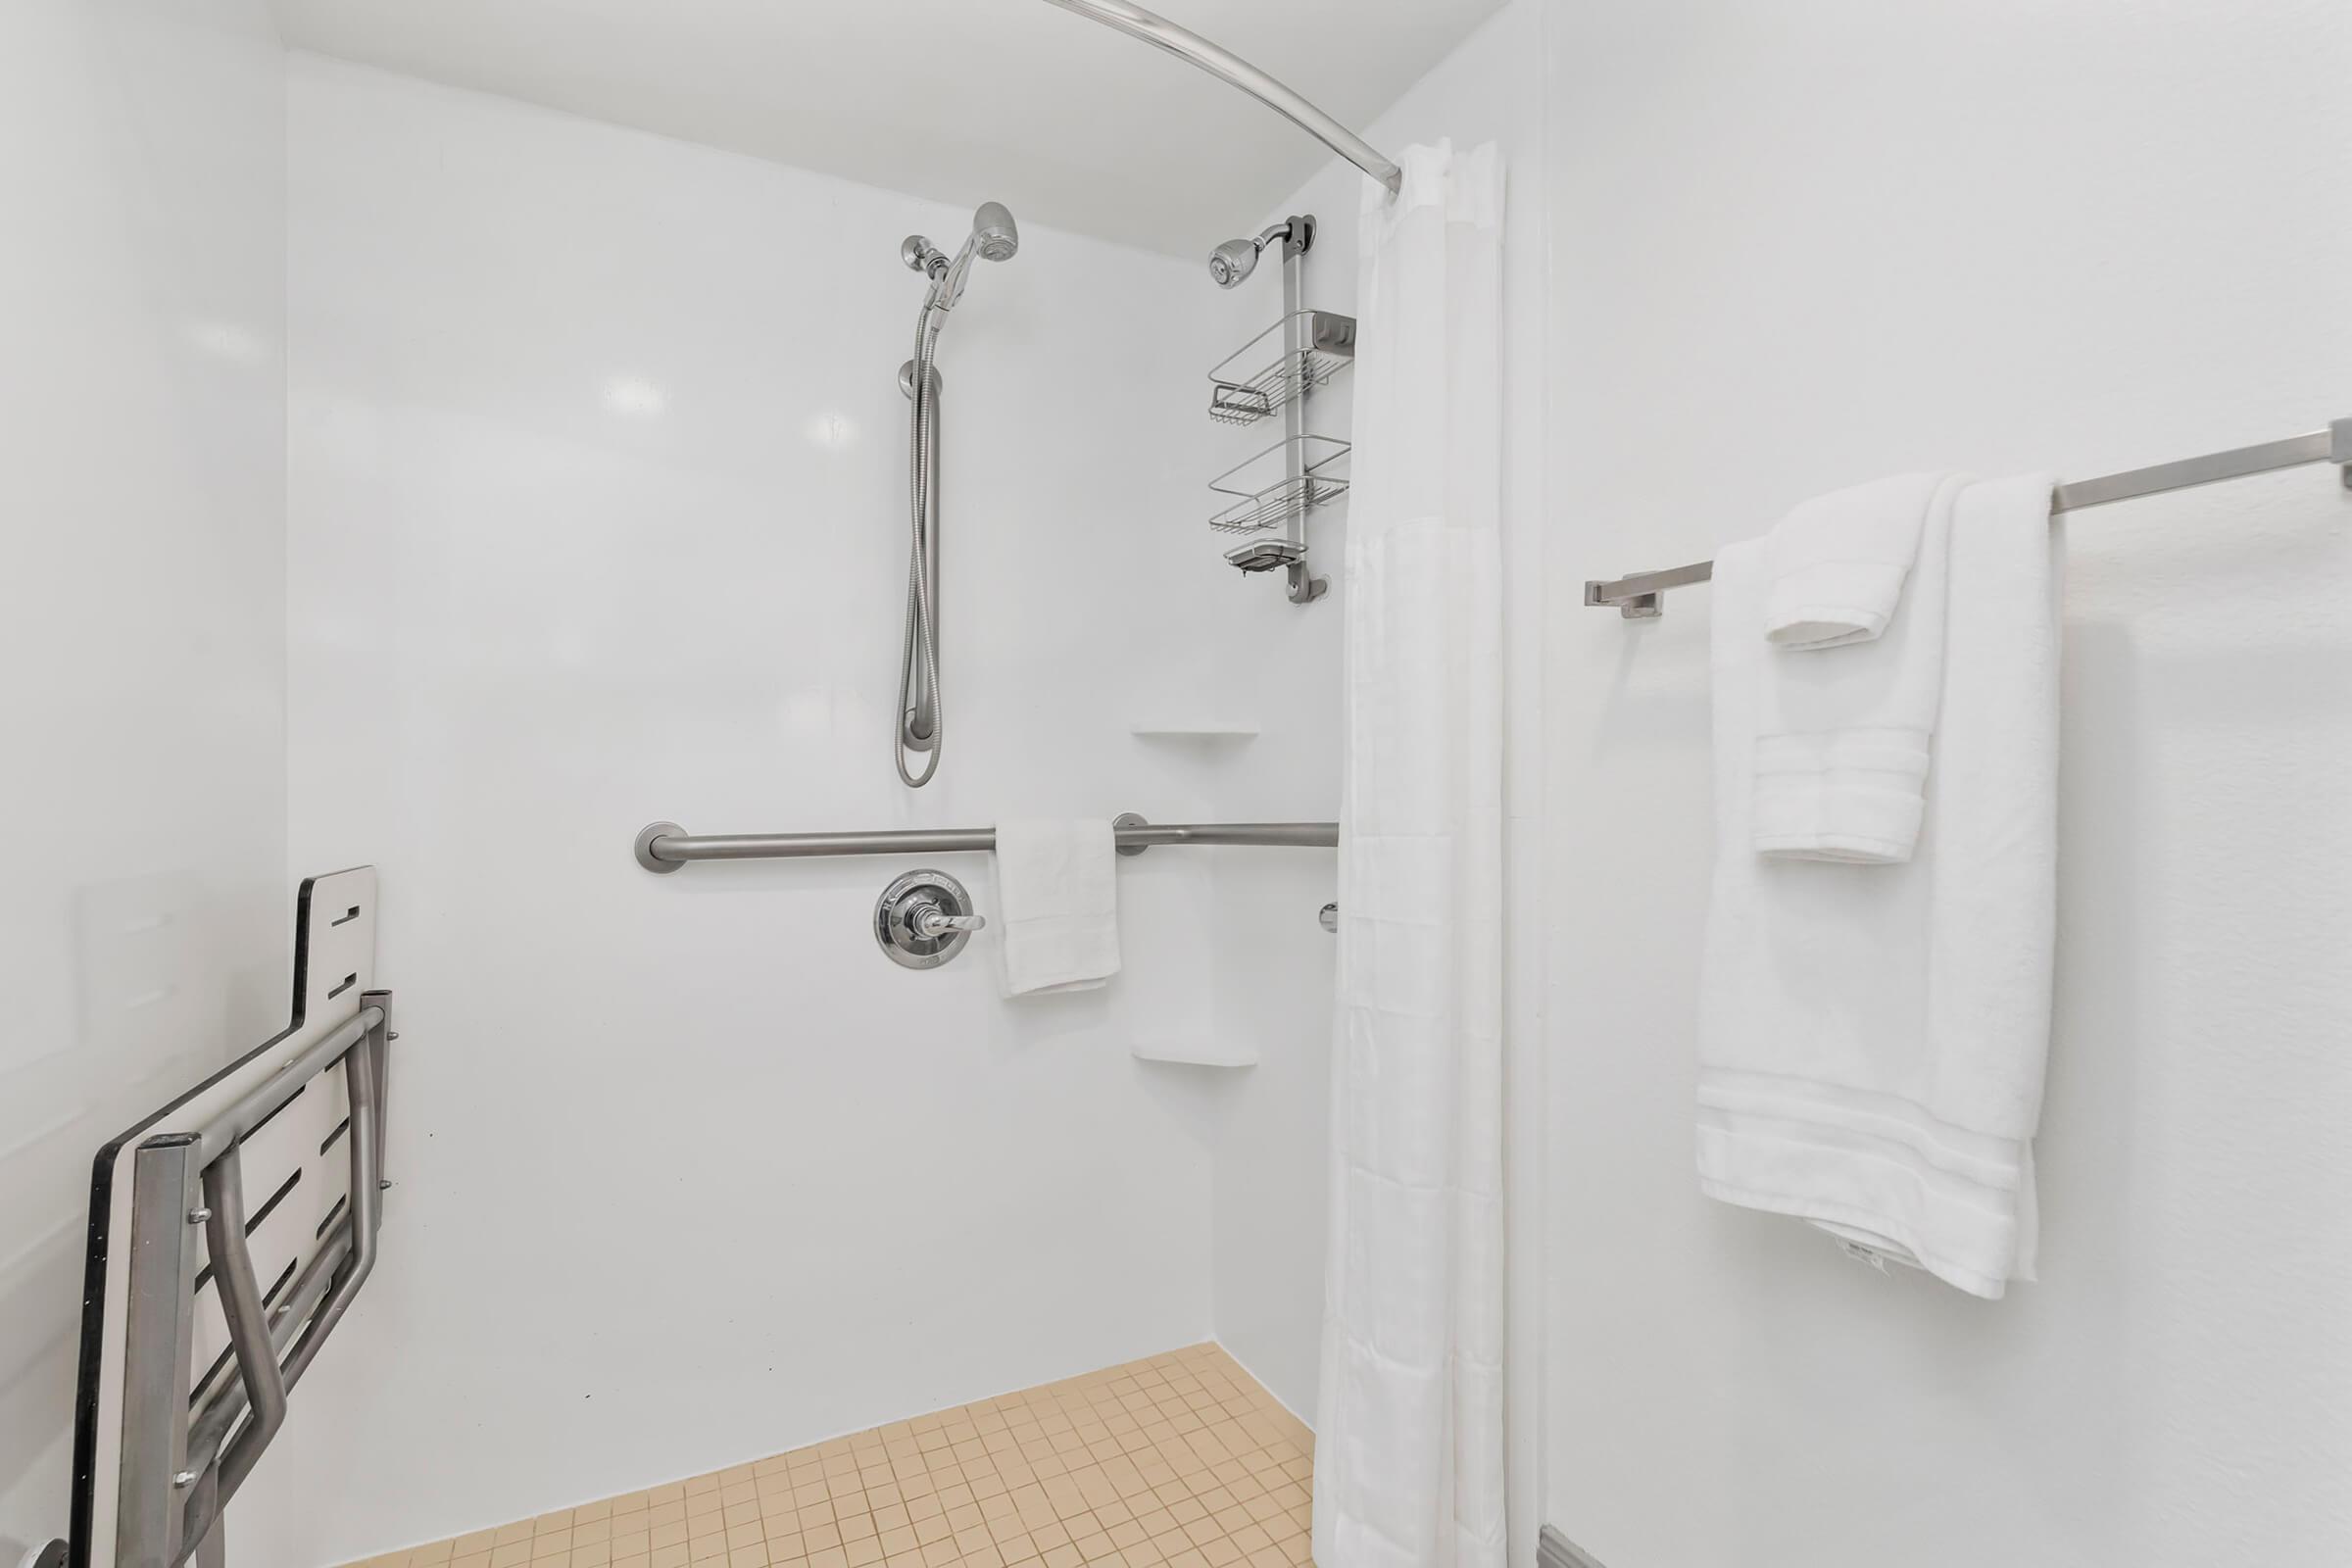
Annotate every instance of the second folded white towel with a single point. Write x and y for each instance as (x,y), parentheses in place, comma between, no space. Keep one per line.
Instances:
(1057,903)
(1835,567)
(1845,723)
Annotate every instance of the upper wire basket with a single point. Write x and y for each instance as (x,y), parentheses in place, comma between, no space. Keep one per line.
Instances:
(1245,387)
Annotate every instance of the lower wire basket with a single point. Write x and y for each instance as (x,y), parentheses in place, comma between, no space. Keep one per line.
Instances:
(1292,488)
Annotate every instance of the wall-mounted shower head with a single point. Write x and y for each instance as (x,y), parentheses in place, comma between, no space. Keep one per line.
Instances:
(1232,262)
(1236,259)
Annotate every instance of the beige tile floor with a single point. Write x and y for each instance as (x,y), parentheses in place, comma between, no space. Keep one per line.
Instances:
(1176,1462)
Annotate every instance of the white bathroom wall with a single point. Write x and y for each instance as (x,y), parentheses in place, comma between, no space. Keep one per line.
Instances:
(1274,961)
(1799,246)
(598,518)
(144,909)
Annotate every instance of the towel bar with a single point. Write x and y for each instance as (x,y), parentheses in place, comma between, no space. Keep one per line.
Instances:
(1638,595)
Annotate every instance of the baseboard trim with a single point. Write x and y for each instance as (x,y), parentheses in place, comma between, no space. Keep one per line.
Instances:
(1555,1550)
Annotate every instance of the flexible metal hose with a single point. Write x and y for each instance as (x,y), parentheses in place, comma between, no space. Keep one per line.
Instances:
(918,654)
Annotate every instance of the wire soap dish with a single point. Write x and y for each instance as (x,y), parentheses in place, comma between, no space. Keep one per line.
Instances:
(1327,346)
(1272,494)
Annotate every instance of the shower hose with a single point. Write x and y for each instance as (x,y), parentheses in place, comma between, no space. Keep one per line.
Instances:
(919,655)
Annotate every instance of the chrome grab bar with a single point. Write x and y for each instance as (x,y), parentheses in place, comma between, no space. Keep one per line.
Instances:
(666,846)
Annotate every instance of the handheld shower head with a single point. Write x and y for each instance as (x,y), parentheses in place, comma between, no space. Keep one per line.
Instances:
(994,232)
(993,238)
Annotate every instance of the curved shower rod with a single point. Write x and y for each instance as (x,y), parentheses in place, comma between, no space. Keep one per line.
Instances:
(1227,66)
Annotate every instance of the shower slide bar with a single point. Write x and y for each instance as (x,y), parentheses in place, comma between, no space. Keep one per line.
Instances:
(666,846)
(1229,67)
(1638,596)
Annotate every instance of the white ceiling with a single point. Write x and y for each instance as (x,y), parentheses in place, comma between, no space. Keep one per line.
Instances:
(1018,101)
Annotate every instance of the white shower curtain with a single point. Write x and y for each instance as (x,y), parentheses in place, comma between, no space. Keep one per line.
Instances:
(1408,1429)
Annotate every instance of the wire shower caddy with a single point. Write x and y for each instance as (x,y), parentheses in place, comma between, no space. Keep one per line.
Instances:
(1296,480)
(1273,376)
(1326,346)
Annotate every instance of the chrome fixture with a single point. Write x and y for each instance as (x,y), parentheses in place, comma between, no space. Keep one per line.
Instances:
(666,846)
(1275,488)
(993,238)
(920,717)
(1639,596)
(924,918)
(1327,917)
(1245,387)
(1231,68)
(1236,258)
(1234,261)
(1278,494)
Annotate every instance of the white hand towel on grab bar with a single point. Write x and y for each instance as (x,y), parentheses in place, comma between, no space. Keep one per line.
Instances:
(1058,897)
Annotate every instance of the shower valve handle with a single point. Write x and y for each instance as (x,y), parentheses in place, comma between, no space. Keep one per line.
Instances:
(929,922)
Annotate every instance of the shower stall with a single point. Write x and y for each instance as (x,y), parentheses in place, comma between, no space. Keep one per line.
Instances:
(497,1074)
(515,480)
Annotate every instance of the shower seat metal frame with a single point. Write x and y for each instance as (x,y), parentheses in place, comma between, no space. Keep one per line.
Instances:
(161,1444)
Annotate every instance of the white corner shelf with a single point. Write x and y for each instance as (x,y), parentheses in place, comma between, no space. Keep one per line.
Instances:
(1194,1050)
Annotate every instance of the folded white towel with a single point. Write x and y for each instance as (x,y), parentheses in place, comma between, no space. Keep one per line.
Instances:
(1873,1040)
(1058,904)
(1836,564)
(1844,726)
